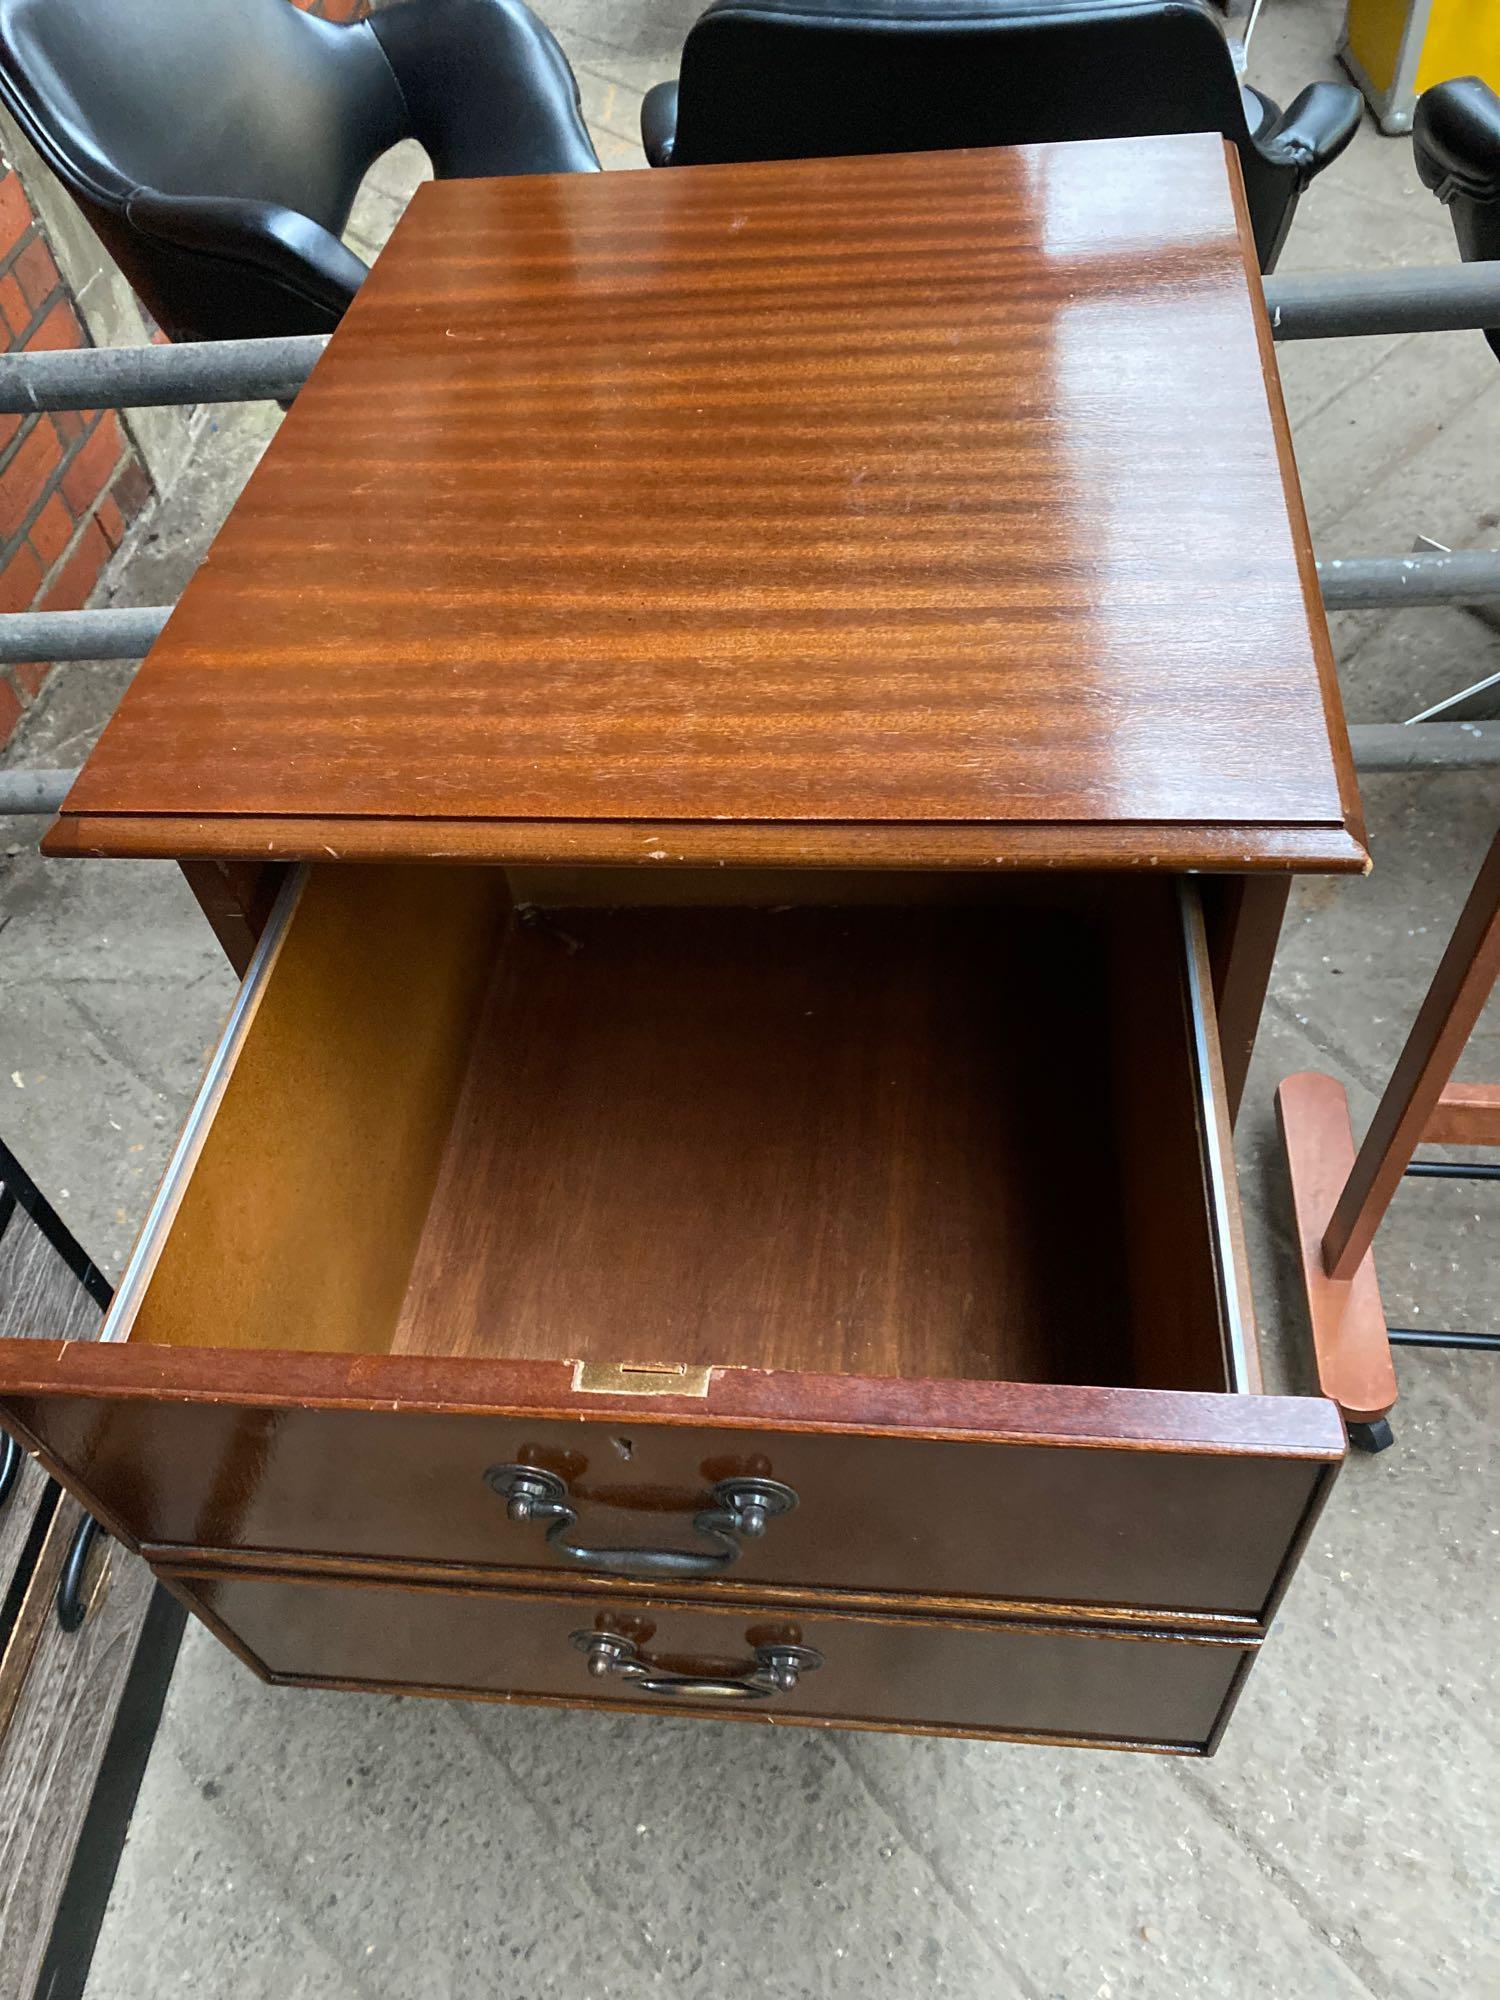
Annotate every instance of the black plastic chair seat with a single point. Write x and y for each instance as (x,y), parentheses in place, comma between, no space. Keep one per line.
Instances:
(217,149)
(785,79)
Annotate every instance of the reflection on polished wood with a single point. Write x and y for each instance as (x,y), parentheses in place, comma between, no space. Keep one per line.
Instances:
(932,492)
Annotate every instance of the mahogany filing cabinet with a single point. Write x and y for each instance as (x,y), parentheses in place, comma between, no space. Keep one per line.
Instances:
(749,738)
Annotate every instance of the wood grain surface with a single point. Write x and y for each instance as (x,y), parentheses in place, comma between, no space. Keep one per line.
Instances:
(940,491)
(1466,1114)
(292,1207)
(992,848)
(39,1295)
(1104,1497)
(845,1141)
(832,1140)
(37,1374)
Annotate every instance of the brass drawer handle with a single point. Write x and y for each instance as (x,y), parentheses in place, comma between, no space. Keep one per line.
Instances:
(740,1507)
(775,1669)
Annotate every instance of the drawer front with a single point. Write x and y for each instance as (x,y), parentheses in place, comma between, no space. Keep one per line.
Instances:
(1141,1524)
(1001,1679)
(299,1197)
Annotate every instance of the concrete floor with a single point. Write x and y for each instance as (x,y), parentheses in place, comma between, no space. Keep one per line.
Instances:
(1343,1842)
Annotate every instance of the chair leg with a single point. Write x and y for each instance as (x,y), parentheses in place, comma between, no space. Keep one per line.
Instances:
(1340,1197)
(1372,1437)
(1460,987)
(1348,1321)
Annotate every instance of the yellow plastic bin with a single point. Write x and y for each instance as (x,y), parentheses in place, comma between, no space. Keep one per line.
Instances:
(1395,49)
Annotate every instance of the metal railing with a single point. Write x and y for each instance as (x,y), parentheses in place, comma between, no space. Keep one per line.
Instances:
(1443,299)
(81,635)
(139,378)
(1467,576)
(1368,583)
(1377,746)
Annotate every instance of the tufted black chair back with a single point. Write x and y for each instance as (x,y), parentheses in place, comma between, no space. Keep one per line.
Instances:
(785,79)
(217,145)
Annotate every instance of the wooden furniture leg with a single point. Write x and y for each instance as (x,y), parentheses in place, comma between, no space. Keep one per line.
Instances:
(1466,1114)
(1340,1197)
(236,897)
(1245,917)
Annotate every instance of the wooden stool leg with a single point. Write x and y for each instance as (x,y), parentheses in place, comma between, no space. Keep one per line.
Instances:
(1340,1197)
(1348,1320)
(1460,987)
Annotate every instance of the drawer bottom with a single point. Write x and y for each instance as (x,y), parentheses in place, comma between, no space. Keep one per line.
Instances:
(1045,1681)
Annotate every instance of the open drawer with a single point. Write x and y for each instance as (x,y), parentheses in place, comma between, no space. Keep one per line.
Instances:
(516,1231)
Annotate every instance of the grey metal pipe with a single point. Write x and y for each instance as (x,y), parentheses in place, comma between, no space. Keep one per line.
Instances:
(132,378)
(33,791)
(1378,746)
(1439,300)
(1467,576)
(232,371)
(1425,746)
(81,635)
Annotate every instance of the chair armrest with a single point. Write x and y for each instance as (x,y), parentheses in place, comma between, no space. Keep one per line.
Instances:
(1313,130)
(1260,113)
(1456,139)
(296,253)
(659,123)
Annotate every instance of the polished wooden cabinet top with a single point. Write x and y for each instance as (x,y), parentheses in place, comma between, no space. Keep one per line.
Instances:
(925,508)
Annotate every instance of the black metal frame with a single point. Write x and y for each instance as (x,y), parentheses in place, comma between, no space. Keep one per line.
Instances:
(16,1183)
(80,1911)
(1423,1336)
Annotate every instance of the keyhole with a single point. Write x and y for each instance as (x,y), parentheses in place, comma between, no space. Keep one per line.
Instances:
(623,1446)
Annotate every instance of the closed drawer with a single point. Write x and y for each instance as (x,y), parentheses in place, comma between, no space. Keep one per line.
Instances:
(982,1678)
(922,1212)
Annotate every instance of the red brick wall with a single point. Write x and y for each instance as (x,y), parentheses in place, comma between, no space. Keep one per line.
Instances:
(69,483)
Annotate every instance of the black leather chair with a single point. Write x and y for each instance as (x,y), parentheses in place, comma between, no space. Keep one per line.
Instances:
(217,145)
(794,79)
(1456,138)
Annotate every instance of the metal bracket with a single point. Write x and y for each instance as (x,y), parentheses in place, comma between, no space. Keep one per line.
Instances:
(639,1378)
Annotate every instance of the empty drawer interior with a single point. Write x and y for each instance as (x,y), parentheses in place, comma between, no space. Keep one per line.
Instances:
(912,1135)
